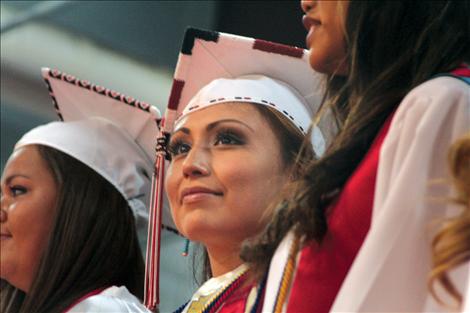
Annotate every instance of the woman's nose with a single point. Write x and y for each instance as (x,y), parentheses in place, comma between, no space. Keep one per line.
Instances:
(307,5)
(3,211)
(3,208)
(197,163)
(3,201)
(3,215)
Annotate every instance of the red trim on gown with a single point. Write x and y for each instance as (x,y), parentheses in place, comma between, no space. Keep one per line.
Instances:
(462,70)
(322,269)
(88,295)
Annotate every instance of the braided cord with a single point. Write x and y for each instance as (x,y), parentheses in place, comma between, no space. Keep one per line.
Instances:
(259,295)
(223,294)
(287,276)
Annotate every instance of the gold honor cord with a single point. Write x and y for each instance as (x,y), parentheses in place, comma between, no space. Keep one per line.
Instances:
(287,275)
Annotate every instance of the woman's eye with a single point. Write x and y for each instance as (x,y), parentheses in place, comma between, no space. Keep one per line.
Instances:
(227,138)
(178,148)
(17,190)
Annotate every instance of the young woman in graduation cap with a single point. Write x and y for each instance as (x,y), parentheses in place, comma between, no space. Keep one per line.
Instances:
(354,235)
(73,194)
(237,116)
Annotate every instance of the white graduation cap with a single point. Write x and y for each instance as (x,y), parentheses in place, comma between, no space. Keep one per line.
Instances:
(215,68)
(109,132)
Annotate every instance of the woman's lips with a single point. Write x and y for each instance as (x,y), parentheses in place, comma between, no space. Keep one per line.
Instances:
(308,39)
(310,24)
(195,194)
(4,236)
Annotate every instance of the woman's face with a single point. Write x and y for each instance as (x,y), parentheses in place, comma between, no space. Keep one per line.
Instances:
(226,167)
(27,208)
(324,21)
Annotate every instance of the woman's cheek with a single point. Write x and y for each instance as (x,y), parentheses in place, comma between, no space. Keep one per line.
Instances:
(171,190)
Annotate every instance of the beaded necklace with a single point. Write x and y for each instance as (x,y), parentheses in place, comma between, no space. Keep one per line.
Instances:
(218,298)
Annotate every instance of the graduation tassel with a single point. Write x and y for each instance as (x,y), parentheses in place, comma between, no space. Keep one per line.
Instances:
(152,266)
(186,248)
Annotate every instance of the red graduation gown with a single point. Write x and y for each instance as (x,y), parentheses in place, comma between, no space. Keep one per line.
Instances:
(322,269)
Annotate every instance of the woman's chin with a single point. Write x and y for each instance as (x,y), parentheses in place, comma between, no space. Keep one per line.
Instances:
(196,232)
(5,271)
(322,64)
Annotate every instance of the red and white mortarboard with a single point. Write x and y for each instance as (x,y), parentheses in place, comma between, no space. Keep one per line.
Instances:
(111,133)
(216,68)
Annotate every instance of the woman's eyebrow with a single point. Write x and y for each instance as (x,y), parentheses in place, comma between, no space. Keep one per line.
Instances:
(184,130)
(10,178)
(214,124)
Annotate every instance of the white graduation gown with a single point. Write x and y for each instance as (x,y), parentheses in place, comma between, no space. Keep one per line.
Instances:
(466,297)
(113,299)
(390,271)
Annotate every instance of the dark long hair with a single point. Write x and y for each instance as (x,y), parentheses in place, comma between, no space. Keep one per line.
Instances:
(93,242)
(391,47)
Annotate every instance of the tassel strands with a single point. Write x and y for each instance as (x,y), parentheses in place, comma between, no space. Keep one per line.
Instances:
(151,291)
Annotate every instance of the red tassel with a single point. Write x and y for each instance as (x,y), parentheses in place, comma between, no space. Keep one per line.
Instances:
(152,268)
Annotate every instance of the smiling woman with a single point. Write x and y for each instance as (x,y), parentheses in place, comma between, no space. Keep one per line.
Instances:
(232,147)
(226,167)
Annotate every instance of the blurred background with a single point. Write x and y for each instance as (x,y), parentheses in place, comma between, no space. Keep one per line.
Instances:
(128,46)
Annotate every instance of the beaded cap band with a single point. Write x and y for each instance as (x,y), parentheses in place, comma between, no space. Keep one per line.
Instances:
(111,133)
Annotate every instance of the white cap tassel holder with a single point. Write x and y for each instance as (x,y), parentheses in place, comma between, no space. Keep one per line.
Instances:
(215,68)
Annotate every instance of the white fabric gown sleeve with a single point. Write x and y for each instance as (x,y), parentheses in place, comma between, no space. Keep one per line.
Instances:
(112,300)
(391,269)
(276,270)
(466,296)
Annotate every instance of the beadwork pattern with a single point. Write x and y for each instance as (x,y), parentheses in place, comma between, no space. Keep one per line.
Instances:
(56,74)
(214,303)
